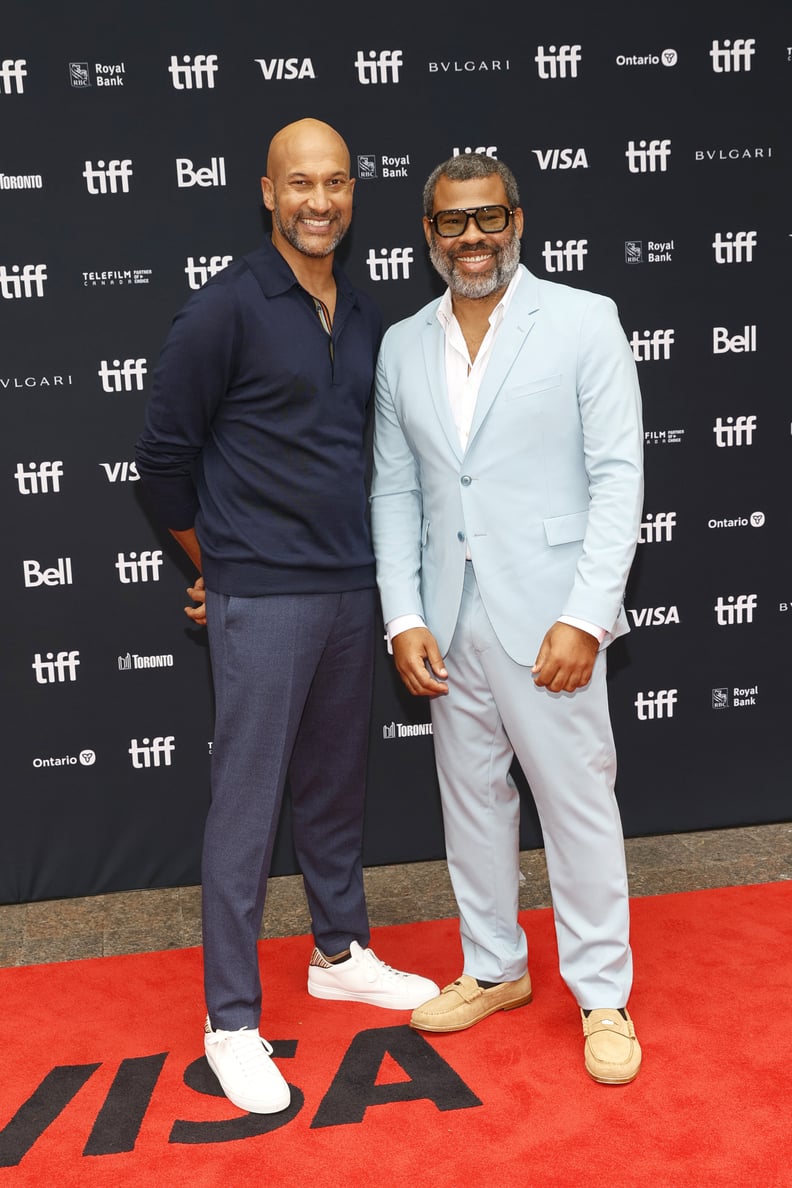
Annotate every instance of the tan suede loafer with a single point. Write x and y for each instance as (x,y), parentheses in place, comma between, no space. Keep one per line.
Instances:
(612,1053)
(464,1003)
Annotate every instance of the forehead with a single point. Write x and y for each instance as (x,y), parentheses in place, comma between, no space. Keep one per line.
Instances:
(479,191)
(312,157)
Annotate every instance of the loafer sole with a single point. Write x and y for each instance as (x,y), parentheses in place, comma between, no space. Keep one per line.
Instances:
(485,1014)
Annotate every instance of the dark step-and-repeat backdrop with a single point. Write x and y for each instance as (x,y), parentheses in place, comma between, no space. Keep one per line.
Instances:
(652,149)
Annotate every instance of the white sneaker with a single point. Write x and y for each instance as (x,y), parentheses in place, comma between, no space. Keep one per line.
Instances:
(364,978)
(241,1062)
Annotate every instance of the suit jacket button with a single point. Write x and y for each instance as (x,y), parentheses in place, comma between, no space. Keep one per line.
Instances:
(460,536)
(466,480)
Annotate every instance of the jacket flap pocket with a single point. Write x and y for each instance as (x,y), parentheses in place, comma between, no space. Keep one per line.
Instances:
(563,529)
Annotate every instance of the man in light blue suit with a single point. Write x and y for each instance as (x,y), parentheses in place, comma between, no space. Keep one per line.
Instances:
(506,506)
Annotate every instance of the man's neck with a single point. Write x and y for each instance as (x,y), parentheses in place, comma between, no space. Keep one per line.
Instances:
(315,273)
(475,310)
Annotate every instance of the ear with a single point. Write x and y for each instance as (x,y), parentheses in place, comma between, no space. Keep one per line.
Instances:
(427,230)
(268,193)
(518,220)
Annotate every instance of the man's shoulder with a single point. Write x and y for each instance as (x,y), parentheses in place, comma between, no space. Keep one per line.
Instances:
(554,294)
(414,323)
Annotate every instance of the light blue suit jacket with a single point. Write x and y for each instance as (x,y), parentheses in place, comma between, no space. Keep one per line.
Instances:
(547,495)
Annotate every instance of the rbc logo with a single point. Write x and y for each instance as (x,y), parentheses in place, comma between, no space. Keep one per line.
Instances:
(648,157)
(653,705)
(378,66)
(12,71)
(735,55)
(652,345)
(122,377)
(155,752)
(51,668)
(735,431)
(198,274)
(553,63)
(27,282)
(105,179)
(390,264)
(186,75)
(566,256)
(36,479)
(139,568)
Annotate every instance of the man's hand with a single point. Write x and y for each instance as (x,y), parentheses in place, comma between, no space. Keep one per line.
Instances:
(198,594)
(415,652)
(566,659)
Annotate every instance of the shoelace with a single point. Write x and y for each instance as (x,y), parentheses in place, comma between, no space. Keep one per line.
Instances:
(378,968)
(246,1047)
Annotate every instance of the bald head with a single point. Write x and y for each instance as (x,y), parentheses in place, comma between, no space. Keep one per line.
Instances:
(304,141)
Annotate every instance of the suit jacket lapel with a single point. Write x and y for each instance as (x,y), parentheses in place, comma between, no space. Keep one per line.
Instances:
(433,344)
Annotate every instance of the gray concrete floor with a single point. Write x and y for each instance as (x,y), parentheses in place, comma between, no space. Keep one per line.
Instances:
(144,921)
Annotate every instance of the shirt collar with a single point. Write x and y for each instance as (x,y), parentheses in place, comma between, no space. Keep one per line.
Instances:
(445,310)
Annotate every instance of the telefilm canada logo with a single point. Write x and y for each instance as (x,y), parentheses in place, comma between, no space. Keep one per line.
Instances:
(659,437)
(116,278)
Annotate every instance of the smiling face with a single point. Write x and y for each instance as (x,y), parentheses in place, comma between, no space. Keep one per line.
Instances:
(308,189)
(474,264)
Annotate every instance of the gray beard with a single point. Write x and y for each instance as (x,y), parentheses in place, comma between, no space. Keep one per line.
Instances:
(507,263)
(291,234)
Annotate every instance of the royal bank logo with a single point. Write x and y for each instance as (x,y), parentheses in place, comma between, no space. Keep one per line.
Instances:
(660,437)
(657,528)
(385,264)
(193,73)
(378,66)
(367,165)
(187,175)
(198,272)
(566,256)
(733,610)
(735,247)
(112,177)
(406,730)
(633,251)
(21,181)
(648,156)
(732,56)
(736,697)
(286,69)
(653,706)
(731,432)
(143,567)
(756,519)
(651,345)
(12,74)
(116,278)
(105,74)
(558,61)
(723,342)
(152,752)
(132,662)
(666,57)
(120,472)
(122,375)
(38,478)
(21,281)
(561,158)
(59,574)
(55,668)
(653,616)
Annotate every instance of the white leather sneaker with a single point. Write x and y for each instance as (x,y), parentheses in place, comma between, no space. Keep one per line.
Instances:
(241,1062)
(364,978)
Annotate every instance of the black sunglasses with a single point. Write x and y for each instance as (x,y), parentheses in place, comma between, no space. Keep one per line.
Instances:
(489,219)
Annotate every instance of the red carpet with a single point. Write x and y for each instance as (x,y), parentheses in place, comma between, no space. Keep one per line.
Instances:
(102,1081)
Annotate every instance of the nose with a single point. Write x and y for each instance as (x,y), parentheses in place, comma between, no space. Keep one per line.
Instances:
(319,198)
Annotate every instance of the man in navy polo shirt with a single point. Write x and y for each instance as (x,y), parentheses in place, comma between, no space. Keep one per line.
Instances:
(253,456)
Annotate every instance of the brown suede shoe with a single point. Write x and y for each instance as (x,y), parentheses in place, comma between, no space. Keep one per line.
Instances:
(464,1003)
(612,1053)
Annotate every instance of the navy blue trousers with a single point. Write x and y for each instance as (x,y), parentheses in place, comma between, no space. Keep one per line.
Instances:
(292,678)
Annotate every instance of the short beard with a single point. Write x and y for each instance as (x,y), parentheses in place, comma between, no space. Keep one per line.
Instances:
(506,264)
(291,233)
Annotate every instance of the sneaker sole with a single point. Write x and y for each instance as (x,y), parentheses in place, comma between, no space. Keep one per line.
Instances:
(331,994)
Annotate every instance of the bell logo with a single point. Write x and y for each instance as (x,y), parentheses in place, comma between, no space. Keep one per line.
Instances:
(733,56)
(651,705)
(376,67)
(566,256)
(737,343)
(649,156)
(38,479)
(155,752)
(52,669)
(286,68)
(106,179)
(58,575)
(734,431)
(564,158)
(187,74)
(735,609)
(136,568)
(212,174)
(391,264)
(734,248)
(198,274)
(553,63)
(652,345)
(12,71)
(25,281)
(657,527)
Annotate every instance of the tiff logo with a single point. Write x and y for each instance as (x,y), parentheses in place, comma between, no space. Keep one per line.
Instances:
(12,71)
(122,377)
(378,66)
(647,157)
(657,527)
(734,249)
(104,179)
(489,150)
(38,479)
(198,274)
(722,341)
(188,74)
(565,256)
(735,55)
(52,668)
(652,345)
(155,752)
(553,63)
(390,264)
(57,575)
(731,610)
(29,282)
(653,705)
(212,174)
(734,431)
(139,569)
